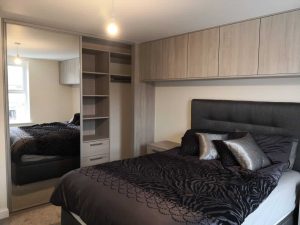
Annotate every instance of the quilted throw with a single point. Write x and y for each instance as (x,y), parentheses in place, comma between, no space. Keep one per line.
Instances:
(165,188)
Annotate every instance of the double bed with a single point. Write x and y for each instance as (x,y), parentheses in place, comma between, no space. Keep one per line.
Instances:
(168,188)
(44,151)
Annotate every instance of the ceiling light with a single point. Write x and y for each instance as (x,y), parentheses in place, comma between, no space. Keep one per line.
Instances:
(18,60)
(112,27)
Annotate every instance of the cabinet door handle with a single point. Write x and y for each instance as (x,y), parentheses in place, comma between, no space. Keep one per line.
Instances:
(93,159)
(96,144)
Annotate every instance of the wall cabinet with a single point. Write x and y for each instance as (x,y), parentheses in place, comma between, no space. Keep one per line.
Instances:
(203,50)
(239,45)
(174,57)
(280,44)
(69,72)
(151,60)
(265,46)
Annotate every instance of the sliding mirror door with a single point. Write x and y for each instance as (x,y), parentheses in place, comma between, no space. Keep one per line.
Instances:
(43,85)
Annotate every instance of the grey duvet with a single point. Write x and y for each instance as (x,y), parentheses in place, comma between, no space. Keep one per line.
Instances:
(164,188)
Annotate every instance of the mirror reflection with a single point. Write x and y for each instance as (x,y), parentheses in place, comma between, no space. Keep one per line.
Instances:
(43,85)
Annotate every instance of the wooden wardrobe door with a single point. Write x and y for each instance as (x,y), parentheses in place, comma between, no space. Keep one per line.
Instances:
(156,62)
(203,50)
(175,57)
(144,57)
(280,44)
(239,45)
(151,60)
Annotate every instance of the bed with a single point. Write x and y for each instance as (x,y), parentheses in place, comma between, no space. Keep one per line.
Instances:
(166,188)
(44,151)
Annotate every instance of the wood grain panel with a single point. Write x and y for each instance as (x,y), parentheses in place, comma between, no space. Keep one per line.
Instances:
(144,108)
(151,60)
(174,57)
(203,50)
(239,45)
(280,44)
(145,61)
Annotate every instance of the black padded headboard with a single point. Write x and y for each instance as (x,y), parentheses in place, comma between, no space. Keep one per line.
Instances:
(259,117)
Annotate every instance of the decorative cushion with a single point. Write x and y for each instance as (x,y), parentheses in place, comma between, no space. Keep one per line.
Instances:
(248,153)
(226,157)
(278,148)
(292,157)
(76,119)
(206,147)
(190,141)
(189,144)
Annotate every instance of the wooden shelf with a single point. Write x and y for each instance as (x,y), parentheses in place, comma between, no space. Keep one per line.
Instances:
(121,75)
(94,73)
(95,96)
(95,129)
(96,85)
(93,117)
(93,138)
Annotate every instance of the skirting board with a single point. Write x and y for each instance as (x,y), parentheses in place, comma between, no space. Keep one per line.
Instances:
(4,213)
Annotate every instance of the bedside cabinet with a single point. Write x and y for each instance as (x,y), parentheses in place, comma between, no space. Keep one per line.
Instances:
(161,146)
(94,152)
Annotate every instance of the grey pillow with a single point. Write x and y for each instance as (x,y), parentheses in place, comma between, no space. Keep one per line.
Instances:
(292,157)
(206,147)
(247,153)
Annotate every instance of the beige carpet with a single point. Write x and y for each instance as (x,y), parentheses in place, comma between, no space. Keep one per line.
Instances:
(41,215)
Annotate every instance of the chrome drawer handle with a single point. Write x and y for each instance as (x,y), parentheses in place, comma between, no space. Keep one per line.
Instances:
(96,144)
(96,158)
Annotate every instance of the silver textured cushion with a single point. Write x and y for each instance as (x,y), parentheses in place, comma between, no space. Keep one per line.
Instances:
(206,147)
(247,153)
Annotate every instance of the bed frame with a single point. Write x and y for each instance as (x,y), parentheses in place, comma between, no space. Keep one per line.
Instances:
(259,117)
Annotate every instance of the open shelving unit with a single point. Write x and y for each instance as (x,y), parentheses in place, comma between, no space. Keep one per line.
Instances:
(95,94)
(105,120)
(120,68)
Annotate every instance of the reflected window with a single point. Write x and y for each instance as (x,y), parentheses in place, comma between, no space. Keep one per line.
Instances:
(18,94)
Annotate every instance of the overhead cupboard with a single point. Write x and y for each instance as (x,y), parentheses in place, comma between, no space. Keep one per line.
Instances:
(267,46)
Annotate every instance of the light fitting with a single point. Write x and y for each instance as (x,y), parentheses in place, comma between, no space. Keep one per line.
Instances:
(112,27)
(18,60)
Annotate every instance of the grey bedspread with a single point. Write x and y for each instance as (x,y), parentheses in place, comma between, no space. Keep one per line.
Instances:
(56,138)
(164,188)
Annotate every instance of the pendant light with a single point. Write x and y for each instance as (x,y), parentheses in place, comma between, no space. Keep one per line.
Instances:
(18,60)
(112,28)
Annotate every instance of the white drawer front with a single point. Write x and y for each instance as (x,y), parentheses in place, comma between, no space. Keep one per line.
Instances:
(94,160)
(95,148)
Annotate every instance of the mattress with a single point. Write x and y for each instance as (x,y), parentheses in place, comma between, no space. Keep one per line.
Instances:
(269,212)
(33,168)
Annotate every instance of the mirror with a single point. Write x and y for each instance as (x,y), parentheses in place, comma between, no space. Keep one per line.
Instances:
(43,85)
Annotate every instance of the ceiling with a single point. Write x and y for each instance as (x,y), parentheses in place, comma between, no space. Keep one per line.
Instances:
(41,44)
(140,20)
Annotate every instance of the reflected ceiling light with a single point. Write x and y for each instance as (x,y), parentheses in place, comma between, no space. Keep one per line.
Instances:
(18,60)
(112,27)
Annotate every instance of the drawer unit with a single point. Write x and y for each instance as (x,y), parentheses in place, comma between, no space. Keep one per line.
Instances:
(97,147)
(94,160)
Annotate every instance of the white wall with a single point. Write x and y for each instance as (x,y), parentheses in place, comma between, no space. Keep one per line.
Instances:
(173,99)
(3,185)
(76,98)
(50,101)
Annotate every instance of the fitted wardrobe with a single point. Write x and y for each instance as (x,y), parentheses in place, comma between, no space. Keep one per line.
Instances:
(107,101)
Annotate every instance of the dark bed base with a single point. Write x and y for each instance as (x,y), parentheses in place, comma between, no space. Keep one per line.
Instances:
(68,219)
(25,174)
